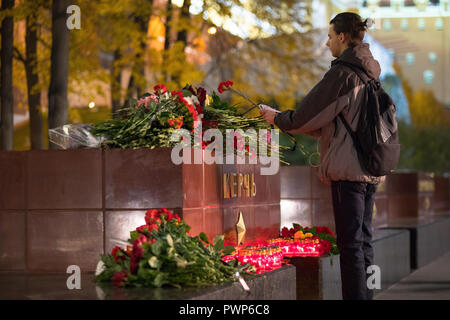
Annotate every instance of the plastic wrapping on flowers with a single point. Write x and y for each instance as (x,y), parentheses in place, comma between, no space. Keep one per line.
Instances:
(161,252)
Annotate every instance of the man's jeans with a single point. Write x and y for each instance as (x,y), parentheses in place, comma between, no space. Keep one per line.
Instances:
(353,208)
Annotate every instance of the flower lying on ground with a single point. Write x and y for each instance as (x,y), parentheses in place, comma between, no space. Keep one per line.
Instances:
(161,252)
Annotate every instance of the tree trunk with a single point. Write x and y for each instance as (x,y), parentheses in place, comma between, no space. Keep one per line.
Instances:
(167,38)
(137,81)
(7,101)
(115,85)
(58,112)
(34,96)
(182,34)
(185,15)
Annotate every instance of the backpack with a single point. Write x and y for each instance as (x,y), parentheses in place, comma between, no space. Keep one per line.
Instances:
(376,136)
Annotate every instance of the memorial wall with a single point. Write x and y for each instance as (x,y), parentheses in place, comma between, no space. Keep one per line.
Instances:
(64,207)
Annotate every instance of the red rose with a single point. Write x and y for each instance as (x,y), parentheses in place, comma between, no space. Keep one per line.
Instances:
(119,278)
(134,266)
(142,229)
(137,251)
(160,87)
(169,216)
(141,239)
(324,247)
(114,254)
(285,233)
(179,94)
(324,230)
(224,86)
(152,227)
(199,109)
(201,95)
(150,215)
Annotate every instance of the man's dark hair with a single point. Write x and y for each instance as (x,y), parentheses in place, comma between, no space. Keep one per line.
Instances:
(350,24)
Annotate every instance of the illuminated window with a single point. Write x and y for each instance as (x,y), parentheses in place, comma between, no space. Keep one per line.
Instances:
(391,52)
(428,76)
(439,24)
(432,57)
(387,25)
(421,24)
(409,58)
(404,25)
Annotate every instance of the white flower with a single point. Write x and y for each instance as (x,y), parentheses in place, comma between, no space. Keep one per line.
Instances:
(169,240)
(100,268)
(192,100)
(153,262)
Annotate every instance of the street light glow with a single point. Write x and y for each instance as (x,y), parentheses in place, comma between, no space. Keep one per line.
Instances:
(212,30)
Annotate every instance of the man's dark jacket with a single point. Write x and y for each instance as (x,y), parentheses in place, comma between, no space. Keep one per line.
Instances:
(340,90)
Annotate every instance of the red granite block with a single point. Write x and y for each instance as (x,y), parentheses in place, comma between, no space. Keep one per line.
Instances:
(319,189)
(58,239)
(213,221)
(12,179)
(323,213)
(295,211)
(295,182)
(401,184)
(118,225)
(64,179)
(380,212)
(441,197)
(195,219)
(142,178)
(12,240)
(230,217)
(402,206)
(212,180)
(274,221)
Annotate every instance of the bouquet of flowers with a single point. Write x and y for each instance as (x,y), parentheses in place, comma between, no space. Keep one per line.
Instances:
(323,234)
(161,252)
(150,121)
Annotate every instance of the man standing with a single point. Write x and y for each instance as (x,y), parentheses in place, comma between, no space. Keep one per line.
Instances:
(341,91)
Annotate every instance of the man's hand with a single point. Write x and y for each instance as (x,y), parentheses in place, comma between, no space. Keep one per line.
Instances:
(268,113)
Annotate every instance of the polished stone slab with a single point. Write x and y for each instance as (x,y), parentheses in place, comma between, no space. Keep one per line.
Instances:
(304,199)
(65,207)
(431,282)
(410,195)
(392,255)
(274,285)
(429,237)
(317,278)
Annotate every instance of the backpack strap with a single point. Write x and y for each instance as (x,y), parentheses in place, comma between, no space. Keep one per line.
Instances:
(361,73)
(347,126)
